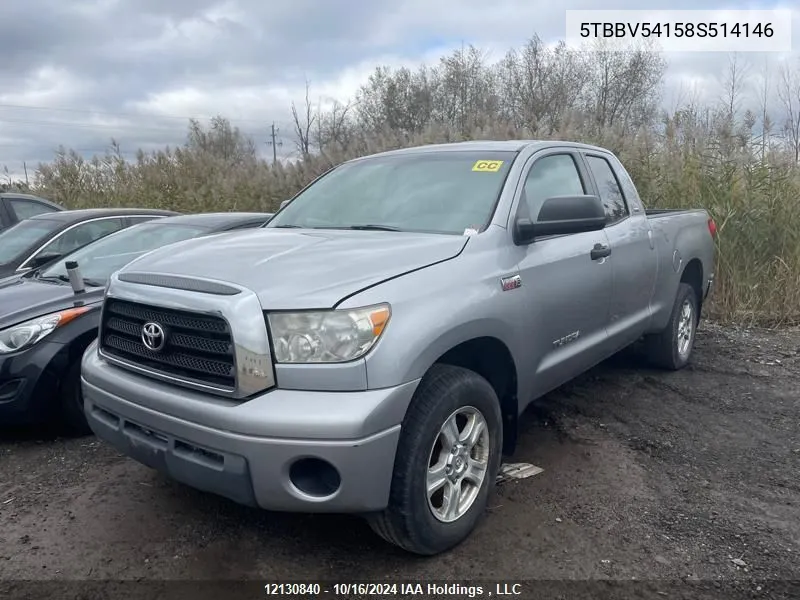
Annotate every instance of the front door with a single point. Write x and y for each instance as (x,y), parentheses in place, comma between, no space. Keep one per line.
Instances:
(566,291)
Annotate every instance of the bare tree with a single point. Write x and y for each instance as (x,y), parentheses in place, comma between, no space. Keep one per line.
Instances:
(538,86)
(370,100)
(734,82)
(625,87)
(334,126)
(766,121)
(465,90)
(220,140)
(789,94)
(304,125)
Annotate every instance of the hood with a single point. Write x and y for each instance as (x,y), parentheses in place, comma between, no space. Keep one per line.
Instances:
(22,299)
(301,269)
(6,279)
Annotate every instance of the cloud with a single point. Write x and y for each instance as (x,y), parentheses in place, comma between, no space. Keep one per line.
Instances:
(79,73)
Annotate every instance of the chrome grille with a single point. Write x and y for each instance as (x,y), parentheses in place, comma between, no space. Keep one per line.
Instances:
(197,347)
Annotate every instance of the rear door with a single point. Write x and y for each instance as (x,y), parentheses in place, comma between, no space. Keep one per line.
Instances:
(633,254)
(567,293)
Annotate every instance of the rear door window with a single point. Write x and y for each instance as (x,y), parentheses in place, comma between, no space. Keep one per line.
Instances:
(609,188)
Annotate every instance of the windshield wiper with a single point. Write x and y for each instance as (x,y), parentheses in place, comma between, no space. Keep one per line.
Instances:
(370,227)
(52,278)
(65,278)
(286,227)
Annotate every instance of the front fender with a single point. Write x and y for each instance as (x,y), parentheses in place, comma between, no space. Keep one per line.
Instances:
(414,356)
(438,308)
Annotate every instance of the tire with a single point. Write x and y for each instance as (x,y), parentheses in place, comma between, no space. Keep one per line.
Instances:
(671,349)
(410,521)
(70,403)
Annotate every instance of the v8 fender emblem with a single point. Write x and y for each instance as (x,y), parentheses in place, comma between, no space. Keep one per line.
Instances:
(511,282)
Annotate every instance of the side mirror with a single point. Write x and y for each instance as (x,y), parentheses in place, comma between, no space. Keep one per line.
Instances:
(284,203)
(562,215)
(41,260)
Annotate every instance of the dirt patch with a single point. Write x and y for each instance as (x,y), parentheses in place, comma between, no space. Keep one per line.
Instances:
(649,476)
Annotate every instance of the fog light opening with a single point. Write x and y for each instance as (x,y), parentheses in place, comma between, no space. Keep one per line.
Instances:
(10,389)
(315,477)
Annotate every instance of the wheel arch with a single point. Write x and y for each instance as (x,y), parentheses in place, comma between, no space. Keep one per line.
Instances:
(491,358)
(692,275)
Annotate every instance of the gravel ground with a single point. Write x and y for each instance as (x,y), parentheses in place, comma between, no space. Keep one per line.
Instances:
(662,484)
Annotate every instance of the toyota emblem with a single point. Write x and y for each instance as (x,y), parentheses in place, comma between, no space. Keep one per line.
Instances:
(153,336)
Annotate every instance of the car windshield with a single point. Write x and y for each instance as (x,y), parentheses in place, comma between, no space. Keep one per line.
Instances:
(15,240)
(436,192)
(98,260)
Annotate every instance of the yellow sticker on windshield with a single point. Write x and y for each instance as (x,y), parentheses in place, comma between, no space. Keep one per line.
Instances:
(487,166)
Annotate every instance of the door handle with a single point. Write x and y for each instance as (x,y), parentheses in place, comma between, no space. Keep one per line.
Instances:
(600,251)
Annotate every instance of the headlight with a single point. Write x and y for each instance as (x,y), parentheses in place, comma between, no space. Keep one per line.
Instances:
(25,335)
(329,336)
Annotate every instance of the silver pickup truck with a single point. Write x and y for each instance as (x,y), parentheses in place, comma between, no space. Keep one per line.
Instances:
(370,349)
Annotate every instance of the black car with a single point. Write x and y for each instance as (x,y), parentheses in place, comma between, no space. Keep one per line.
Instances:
(16,207)
(45,325)
(41,239)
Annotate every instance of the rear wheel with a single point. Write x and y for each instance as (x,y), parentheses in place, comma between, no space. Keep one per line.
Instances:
(672,348)
(446,464)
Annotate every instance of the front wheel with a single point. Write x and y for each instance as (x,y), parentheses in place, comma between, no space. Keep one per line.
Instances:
(446,464)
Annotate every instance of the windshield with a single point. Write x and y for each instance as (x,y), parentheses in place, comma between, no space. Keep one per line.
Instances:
(15,240)
(436,192)
(98,260)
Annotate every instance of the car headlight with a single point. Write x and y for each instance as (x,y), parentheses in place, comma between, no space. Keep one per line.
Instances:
(330,336)
(24,335)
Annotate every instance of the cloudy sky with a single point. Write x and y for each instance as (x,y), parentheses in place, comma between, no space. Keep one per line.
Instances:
(79,72)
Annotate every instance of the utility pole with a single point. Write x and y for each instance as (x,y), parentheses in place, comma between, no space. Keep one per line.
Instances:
(25,166)
(274,144)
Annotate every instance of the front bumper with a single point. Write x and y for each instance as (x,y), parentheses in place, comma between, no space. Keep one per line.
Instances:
(284,450)
(29,382)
